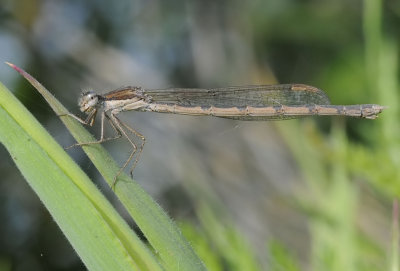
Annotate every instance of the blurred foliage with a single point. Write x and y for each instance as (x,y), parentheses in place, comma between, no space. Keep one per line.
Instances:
(219,244)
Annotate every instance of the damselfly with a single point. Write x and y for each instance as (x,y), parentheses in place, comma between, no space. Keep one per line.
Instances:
(265,102)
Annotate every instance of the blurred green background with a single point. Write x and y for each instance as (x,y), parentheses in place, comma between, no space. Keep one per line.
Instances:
(310,194)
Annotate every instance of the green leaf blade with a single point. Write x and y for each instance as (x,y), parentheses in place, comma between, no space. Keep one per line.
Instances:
(162,233)
(87,222)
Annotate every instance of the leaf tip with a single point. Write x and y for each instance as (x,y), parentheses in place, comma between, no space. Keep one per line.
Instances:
(27,76)
(11,65)
(15,67)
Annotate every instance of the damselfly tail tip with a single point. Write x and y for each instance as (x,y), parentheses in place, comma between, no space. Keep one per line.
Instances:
(374,111)
(380,108)
(383,107)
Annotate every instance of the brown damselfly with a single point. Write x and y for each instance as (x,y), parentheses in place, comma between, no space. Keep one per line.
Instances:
(257,103)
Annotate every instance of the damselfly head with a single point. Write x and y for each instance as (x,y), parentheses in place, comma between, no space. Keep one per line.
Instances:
(88,101)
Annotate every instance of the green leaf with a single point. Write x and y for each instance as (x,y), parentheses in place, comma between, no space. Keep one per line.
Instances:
(98,234)
(162,233)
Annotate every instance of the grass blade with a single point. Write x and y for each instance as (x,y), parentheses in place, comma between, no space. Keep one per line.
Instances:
(164,236)
(99,235)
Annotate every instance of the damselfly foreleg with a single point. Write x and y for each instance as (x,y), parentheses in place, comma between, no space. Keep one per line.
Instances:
(88,122)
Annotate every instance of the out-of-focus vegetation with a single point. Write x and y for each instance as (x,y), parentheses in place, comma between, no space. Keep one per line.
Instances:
(312,194)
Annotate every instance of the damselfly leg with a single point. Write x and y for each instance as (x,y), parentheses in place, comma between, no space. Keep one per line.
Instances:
(89,121)
(119,125)
(121,129)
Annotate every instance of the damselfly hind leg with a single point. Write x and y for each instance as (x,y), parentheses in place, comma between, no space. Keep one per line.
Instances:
(139,135)
(120,126)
